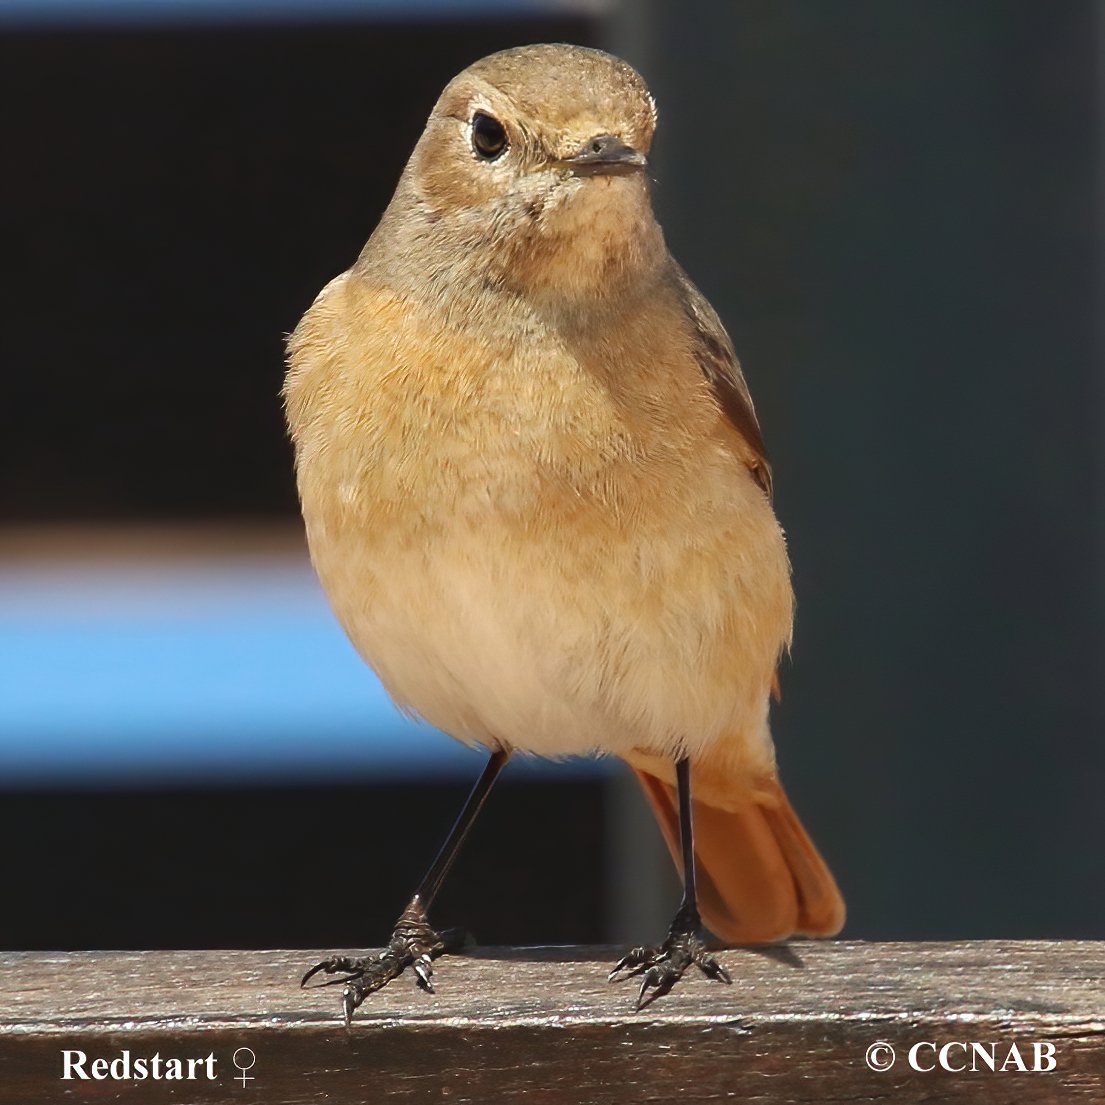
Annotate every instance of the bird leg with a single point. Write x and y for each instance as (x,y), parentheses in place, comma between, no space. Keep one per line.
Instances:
(661,967)
(413,943)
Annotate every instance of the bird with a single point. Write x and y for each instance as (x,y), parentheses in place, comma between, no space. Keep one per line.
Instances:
(537,496)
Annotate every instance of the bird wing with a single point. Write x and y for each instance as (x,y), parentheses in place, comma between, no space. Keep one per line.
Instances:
(718,360)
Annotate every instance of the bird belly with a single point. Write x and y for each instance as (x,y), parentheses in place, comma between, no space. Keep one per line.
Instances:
(448,647)
(566,634)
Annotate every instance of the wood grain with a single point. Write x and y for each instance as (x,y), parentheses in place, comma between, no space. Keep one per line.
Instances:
(543,1025)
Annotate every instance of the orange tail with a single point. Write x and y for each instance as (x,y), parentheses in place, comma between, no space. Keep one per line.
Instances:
(759,876)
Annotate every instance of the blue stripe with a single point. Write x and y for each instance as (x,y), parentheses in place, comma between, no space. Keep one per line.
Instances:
(219,672)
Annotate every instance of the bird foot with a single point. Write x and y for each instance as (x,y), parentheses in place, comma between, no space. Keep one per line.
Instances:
(663,966)
(413,944)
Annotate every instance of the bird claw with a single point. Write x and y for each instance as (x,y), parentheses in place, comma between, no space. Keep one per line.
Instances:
(633,961)
(349,1002)
(413,944)
(662,967)
(712,969)
(423,970)
(354,968)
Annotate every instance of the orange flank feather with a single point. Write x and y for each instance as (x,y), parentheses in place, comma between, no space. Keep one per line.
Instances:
(759,876)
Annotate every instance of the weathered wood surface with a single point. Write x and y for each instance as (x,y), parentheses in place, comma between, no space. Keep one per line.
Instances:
(543,1026)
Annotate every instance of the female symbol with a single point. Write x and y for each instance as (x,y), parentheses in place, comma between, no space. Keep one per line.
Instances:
(248,1059)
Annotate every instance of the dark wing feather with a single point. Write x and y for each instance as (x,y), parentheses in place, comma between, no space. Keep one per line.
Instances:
(718,361)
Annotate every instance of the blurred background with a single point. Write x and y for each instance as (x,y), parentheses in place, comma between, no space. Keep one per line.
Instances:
(896,208)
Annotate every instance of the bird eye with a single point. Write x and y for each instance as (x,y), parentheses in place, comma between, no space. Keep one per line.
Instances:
(488,136)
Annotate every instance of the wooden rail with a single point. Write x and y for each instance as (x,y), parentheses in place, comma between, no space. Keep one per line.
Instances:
(543,1026)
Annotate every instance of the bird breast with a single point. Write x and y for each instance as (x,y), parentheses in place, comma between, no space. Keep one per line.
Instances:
(537,540)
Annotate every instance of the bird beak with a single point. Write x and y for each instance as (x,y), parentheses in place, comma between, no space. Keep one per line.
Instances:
(606,154)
